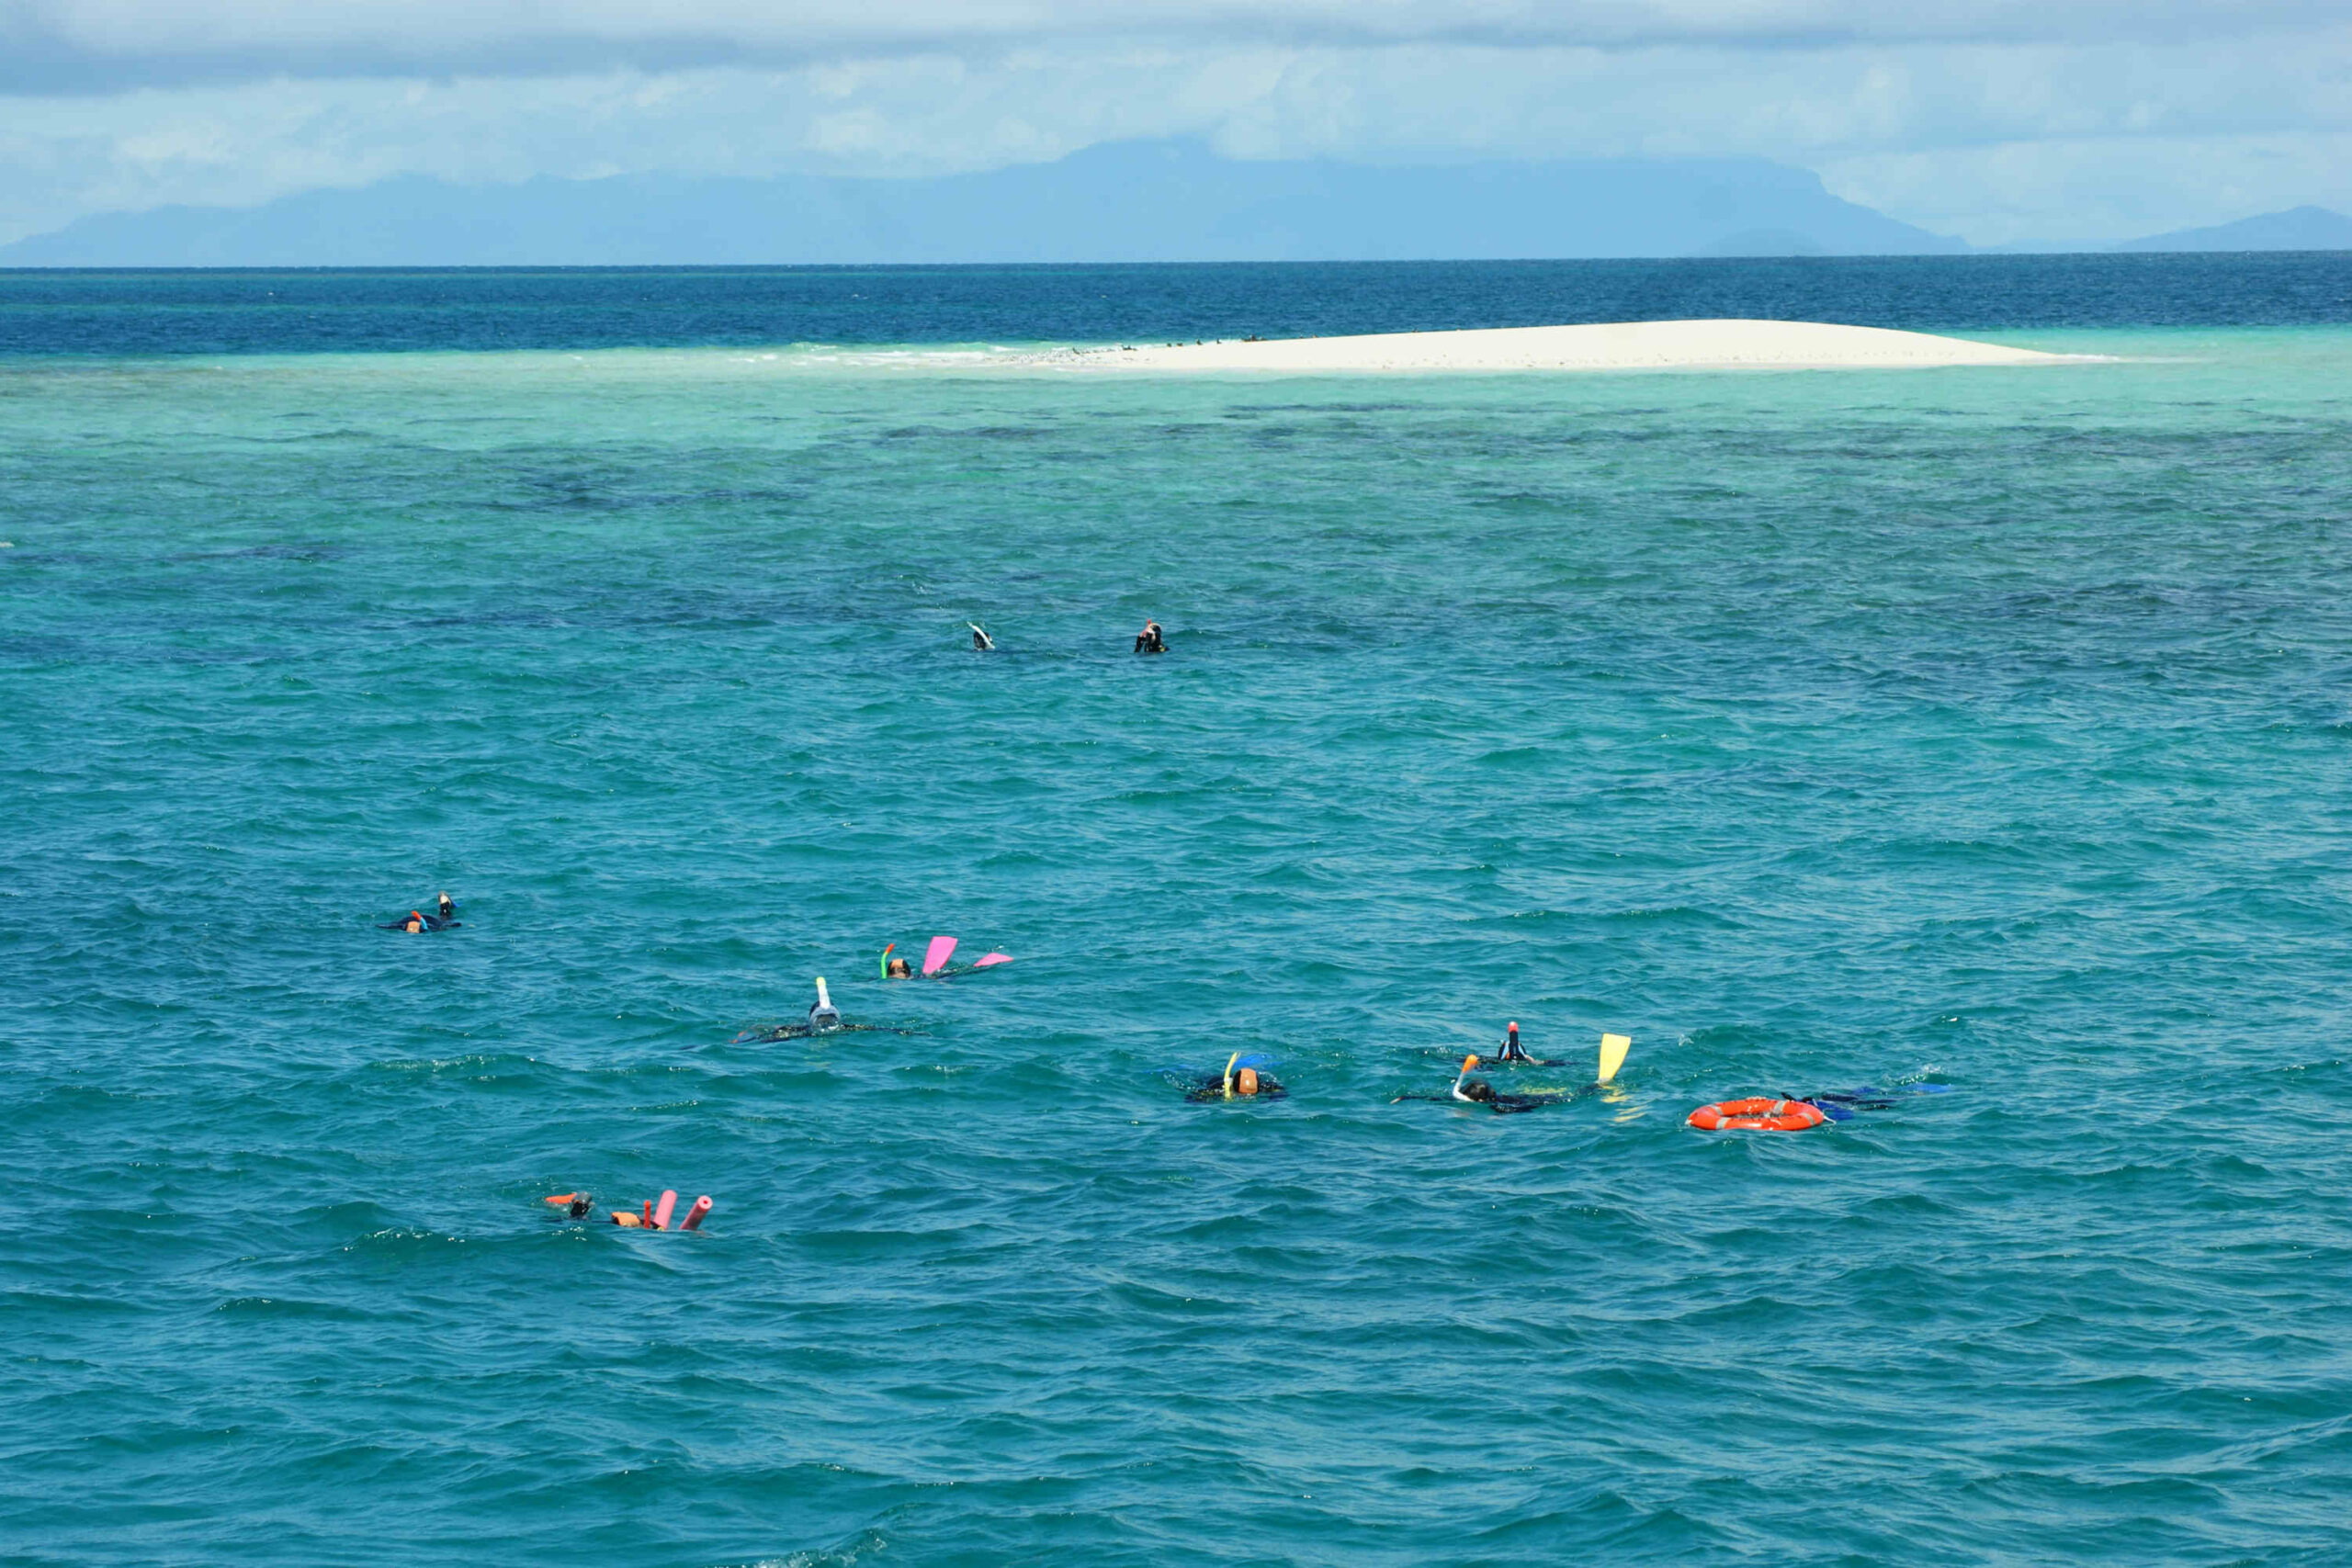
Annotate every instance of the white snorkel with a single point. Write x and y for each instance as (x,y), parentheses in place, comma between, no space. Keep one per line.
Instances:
(1467,1063)
(824,1015)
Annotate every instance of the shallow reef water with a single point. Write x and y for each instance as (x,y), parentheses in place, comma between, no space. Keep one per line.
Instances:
(1982,728)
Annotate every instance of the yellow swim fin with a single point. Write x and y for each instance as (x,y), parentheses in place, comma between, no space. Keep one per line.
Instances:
(1612,1054)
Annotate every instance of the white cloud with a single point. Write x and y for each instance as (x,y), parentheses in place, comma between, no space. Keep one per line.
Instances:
(2038,132)
(71,45)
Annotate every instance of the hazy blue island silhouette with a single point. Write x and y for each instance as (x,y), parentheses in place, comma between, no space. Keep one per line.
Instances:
(1174,200)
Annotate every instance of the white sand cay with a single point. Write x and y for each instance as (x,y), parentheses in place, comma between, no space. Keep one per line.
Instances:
(1620,345)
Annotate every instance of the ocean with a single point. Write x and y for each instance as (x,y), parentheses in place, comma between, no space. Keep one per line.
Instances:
(1988,729)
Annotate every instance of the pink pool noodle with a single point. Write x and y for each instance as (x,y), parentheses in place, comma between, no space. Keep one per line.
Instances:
(993,958)
(662,1214)
(936,956)
(694,1215)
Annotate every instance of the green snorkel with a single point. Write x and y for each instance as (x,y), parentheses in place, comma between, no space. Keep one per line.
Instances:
(885,961)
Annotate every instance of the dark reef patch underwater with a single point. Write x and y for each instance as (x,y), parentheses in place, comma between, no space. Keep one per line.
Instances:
(1989,728)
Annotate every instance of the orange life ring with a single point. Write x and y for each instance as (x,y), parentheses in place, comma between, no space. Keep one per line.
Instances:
(1757,1116)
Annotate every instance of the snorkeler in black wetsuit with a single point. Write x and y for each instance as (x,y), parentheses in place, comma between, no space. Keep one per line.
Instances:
(775,1031)
(444,918)
(824,1018)
(418,921)
(1478,1092)
(1231,1085)
(1839,1104)
(1150,639)
(1515,1055)
(981,641)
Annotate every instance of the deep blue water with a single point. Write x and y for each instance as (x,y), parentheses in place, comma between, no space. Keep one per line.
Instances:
(163,313)
(1987,728)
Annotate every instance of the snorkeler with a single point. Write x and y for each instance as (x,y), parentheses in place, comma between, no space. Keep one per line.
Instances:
(417,920)
(574,1205)
(1150,639)
(1478,1092)
(1236,1082)
(658,1219)
(1840,1104)
(935,964)
(981,641)
(824,1018)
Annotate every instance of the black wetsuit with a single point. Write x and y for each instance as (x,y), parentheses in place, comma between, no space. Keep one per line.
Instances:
(1149,641)
(777,1032)
(432,923)
(1208,1090)
(1477,1091)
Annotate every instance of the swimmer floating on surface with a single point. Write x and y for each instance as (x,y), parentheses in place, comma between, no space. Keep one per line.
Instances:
(824,1018)
(575,1205)
(934,962)
(443,917)
(1150,639)
(981,641)
(1241,1081)
(1840,1104)
(1513,1054)
(1478,1092)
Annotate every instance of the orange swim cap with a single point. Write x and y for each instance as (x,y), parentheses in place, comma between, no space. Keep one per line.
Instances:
(1248,1082)
(561,1199)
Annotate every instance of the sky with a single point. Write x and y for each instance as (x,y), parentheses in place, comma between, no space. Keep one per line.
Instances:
(1997,120)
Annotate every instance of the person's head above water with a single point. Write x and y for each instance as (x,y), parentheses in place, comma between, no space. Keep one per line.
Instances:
(415,921)
(900,969)
(448,905)
(1479,1090)
(1246,1081)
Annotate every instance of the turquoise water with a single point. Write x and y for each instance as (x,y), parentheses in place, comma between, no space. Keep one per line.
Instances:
(1984,728)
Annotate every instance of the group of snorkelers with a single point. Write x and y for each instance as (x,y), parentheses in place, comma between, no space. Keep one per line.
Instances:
(1152,639)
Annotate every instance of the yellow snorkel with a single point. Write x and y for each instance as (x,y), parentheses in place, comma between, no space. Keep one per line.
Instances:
(1229,1073)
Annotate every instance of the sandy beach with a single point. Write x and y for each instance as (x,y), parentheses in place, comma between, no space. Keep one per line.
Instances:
(1623,345)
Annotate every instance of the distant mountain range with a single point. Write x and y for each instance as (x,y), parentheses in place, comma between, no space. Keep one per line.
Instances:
(1171,200)
(2296,229)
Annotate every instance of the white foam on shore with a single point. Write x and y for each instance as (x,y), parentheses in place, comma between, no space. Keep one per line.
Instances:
(1616,346)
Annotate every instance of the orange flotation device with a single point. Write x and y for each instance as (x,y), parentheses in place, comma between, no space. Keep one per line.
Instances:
(1757,1116)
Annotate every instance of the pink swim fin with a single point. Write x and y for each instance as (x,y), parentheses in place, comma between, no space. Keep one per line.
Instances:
(935,957)
(993,958)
